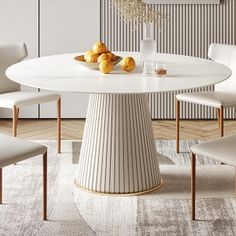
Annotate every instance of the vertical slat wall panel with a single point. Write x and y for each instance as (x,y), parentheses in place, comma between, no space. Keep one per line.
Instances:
(189,30)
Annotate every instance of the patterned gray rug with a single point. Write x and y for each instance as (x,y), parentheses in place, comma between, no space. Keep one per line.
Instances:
(75,212)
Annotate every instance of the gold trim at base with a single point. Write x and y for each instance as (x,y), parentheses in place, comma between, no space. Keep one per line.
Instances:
(119,194)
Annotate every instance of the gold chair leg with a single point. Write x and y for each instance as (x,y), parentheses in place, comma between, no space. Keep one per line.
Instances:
(59,125)
(193,184)
(0,185)
(177,124)
(221,121)
(45,186)
(15,114)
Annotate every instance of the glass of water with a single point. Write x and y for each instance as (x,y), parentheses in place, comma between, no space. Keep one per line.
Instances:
(148,67)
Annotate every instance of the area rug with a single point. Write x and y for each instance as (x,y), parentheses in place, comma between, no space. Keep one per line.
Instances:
(75,212)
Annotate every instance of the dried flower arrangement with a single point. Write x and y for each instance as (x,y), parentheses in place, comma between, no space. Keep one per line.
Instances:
(137,12)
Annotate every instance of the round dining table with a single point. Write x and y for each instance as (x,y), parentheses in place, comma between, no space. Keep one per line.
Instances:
(118,153)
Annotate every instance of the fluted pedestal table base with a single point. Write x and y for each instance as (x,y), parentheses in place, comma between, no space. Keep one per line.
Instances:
(118,154)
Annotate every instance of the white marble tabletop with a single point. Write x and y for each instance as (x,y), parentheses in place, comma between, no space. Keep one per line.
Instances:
(63,73)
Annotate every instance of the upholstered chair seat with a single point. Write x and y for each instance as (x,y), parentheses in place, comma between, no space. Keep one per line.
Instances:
(14,150)
(214,99)
(12,97)
(223,98)
(221,149)
(19,99)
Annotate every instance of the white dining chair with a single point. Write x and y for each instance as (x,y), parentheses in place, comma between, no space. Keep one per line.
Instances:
(14,150)
(221,149)
(225,97)
(10,95)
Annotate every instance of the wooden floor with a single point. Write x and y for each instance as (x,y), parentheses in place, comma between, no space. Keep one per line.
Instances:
(72,129)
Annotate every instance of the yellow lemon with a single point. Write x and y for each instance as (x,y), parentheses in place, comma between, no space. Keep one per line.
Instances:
(128,64)
(90,56)
(104,57)
(105,66)
(112,56)
(99,48)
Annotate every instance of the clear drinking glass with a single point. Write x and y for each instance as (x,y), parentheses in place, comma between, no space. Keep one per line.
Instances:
(160,69)
(148,67)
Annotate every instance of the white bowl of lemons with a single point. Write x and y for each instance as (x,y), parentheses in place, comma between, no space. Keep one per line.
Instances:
(100,58)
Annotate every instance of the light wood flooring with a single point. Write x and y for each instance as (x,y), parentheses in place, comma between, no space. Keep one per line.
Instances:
(72,129)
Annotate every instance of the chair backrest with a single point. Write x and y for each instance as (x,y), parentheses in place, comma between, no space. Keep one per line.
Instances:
(9,55)
(226,55)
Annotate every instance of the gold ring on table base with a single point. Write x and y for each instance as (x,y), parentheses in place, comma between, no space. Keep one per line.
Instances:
(119,194)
